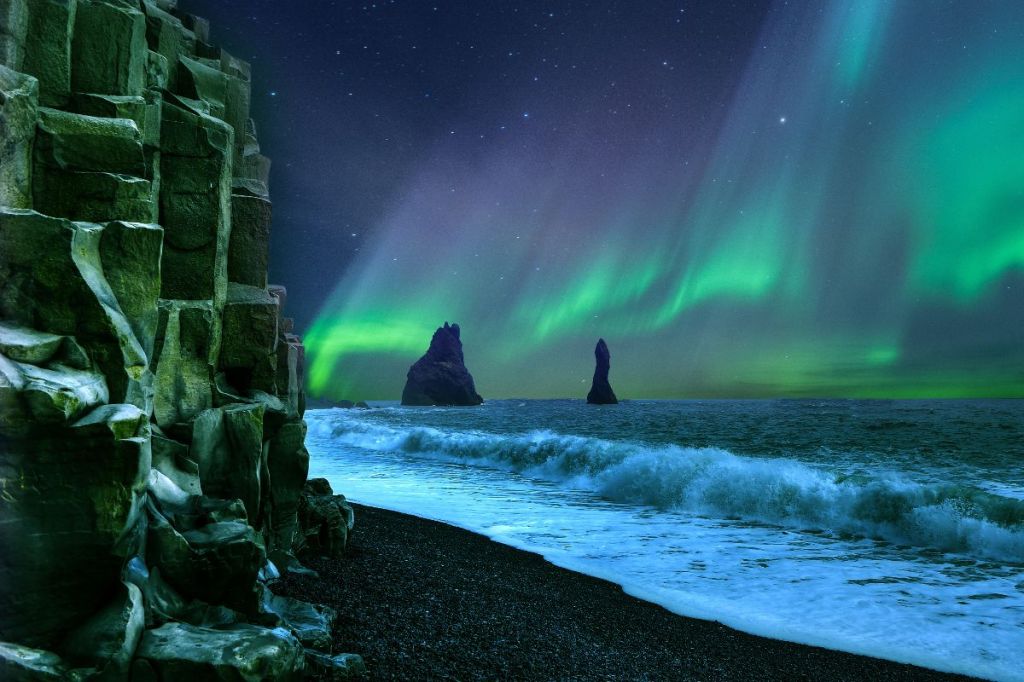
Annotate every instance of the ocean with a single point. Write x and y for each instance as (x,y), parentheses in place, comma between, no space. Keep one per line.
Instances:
(893,529)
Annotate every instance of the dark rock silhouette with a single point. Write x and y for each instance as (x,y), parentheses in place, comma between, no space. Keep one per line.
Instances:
(440,377)
(601,392)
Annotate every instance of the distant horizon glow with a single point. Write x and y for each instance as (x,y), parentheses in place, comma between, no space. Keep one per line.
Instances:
(850,225)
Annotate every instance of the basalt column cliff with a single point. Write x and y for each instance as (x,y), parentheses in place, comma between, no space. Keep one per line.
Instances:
(152,464)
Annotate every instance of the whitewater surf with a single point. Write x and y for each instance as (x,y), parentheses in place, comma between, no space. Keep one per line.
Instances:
(891,529)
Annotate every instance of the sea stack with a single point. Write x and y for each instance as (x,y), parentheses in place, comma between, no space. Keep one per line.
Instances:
(440,377)
(601,392)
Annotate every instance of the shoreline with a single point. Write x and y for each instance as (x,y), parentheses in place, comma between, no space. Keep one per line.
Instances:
(420,599)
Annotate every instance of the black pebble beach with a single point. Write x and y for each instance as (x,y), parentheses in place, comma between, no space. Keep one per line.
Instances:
(420,600)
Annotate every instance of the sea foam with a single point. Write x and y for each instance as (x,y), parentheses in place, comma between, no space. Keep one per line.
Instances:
(711,481)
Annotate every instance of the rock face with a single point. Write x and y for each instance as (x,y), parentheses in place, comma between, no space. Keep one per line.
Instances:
(440,377)
(152,458)
(601,392)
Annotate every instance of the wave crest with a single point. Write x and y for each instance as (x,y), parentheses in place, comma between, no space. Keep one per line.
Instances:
(715,482)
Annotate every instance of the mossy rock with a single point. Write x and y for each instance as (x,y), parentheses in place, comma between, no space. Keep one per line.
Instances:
(19,97)
(93,197)
(107,641)
(109,48)
(288,465)
(195,204)
(49,31)
(13,29)
(51,279)
(167,36)
(250,327)
(227,444)
(130,254)
(197,80)
(144,110)
(249,250)
(238,653)
(79,142)
(77,489)
(217,563)
(185,360)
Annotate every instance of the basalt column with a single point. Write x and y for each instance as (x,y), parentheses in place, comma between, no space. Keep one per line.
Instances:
(152,458)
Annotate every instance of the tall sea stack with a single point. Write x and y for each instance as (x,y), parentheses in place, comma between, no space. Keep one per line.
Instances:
(440,377)
(152,452)
(601,392)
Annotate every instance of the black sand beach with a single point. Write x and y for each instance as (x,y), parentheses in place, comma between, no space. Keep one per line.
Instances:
(422,600)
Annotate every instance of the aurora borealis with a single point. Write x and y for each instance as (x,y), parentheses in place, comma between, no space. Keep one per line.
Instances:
(794,199)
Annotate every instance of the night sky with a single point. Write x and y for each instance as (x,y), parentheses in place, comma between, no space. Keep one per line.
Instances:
(743,199)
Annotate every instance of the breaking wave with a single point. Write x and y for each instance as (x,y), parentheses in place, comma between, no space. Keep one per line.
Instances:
(717,483)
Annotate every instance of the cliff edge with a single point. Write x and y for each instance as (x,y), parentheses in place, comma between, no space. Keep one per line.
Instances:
(152,458)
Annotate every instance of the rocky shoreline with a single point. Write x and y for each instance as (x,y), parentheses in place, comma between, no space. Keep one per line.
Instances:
(423,600)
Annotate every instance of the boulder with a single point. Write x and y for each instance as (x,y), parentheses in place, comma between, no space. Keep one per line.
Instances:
(252,176)
(51,278)
(157,71)
(70,517)
(325,521)
(49,30)
(217,563)
(600,390)
(22,664)
(22,344)
(171,459)
(236,109)
(235,653)
(195,204)
(311,624)
(248,352)
(130,255)
(13,30)
(108,640)
(252,169)
(93,197)
(249,250)
(19,97)
(109,48)
(198,81)
(167,37)
(287,464)
(50,395)
(290,360)
(161,601)
(188,341)
(321,666)
(440,377)
(198,25)
(78,142)
(227,444)
(143,110)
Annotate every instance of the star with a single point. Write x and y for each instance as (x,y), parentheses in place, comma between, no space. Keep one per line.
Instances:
(782,120)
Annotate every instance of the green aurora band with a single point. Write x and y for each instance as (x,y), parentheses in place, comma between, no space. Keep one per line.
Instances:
(853,226)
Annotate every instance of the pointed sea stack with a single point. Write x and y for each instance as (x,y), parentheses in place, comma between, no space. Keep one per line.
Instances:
(440,377)
(601,392)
